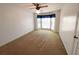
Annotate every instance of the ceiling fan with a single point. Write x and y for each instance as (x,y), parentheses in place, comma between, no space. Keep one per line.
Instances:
(38,6)
(35,6)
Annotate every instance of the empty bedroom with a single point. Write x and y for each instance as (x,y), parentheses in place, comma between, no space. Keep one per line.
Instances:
(39,28)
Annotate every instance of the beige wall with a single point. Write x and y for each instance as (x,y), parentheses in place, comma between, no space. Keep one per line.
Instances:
(67,25)
(14,22)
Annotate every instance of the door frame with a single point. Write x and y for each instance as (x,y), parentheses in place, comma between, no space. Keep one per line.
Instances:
(76,41)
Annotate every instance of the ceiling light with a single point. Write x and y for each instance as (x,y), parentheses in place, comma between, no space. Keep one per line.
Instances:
(37,11)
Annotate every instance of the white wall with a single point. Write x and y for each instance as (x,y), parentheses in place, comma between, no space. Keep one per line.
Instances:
(14,22)
(67,25)
(57,20)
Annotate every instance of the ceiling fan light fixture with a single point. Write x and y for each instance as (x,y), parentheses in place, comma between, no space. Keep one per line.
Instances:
(37,11)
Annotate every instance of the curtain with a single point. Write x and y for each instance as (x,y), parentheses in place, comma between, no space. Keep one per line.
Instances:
(46,16)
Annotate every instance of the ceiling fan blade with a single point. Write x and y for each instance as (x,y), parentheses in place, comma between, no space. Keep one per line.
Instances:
(34,7)
(43,6)
(35,4)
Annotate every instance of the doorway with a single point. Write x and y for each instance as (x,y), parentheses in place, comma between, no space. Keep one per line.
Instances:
(46,22)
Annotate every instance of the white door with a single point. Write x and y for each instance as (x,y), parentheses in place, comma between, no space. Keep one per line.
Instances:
(76,37)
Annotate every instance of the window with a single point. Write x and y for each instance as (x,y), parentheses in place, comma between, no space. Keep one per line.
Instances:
(53,23)
(38,23)
(46,21)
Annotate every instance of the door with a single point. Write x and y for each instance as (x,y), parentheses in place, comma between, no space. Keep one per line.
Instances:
(76,37)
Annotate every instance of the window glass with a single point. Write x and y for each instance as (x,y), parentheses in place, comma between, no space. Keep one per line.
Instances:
(38,23)
(53,23)
(46,23)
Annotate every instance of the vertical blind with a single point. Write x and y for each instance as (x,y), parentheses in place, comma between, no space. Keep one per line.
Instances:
(46,21)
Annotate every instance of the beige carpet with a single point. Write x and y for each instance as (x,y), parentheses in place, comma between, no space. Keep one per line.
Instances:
(40,42)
